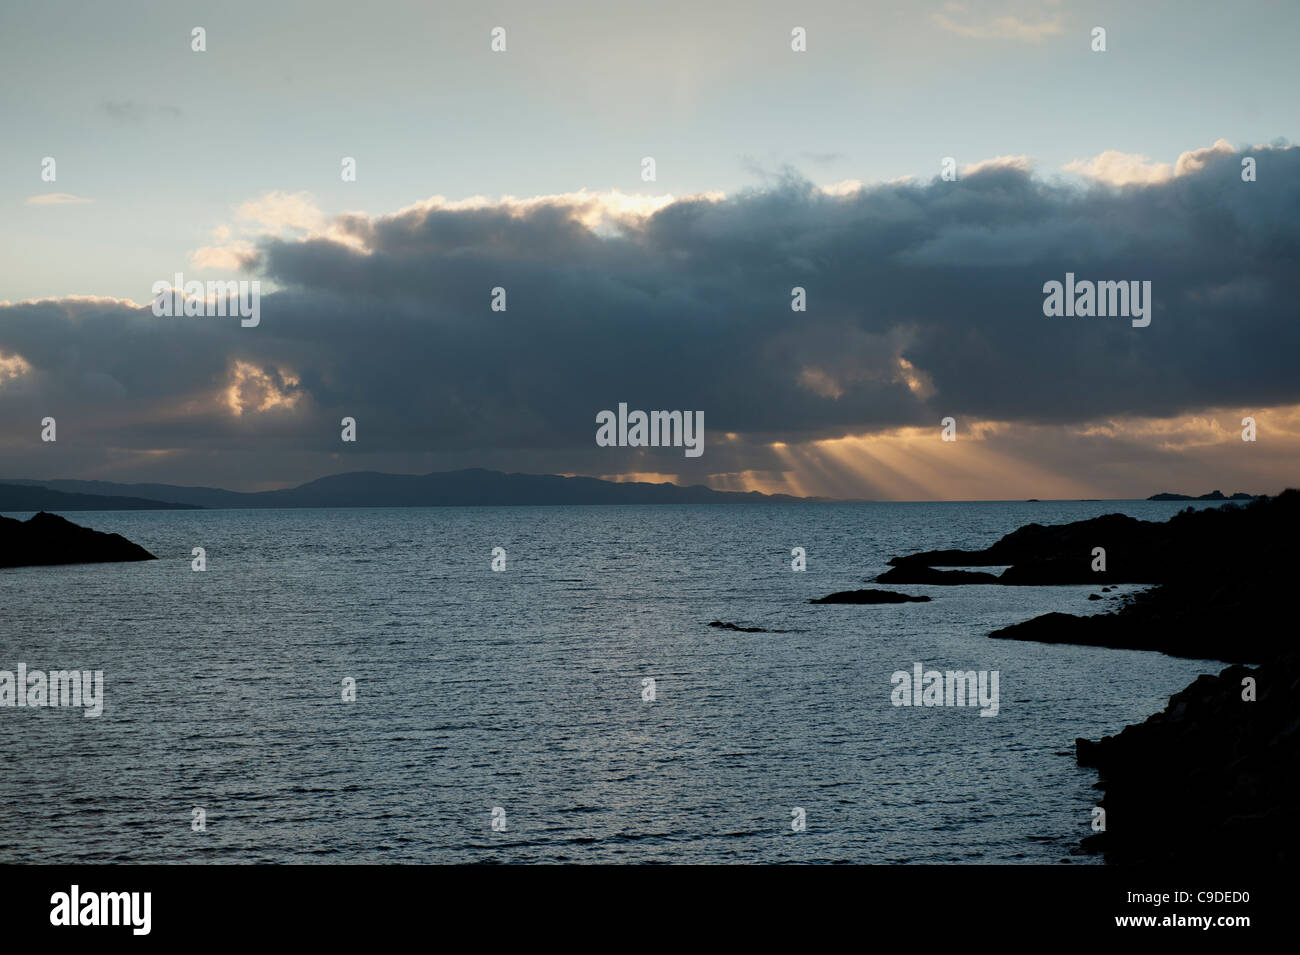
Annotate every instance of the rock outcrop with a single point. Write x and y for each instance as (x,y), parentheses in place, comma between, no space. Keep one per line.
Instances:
(1202,544)
(868,597)
(1228,597)
(921,574)
(46,539)
(1212,779)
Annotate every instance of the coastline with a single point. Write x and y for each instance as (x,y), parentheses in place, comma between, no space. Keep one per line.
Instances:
(1210,777)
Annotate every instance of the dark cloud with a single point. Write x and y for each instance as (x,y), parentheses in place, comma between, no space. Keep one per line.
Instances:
(923,301)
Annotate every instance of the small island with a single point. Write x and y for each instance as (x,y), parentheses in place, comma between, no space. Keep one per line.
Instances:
(1212,496)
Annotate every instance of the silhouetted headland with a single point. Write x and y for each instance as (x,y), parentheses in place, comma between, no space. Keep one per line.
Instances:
(46,539)
(1225,575)
(1209,545)
(1213,776)
(1210,779)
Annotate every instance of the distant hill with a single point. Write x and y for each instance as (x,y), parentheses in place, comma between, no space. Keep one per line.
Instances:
(1212,496)
(27,497)
(475,486)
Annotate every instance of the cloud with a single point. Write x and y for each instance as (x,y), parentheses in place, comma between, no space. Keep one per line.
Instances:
(1121,169)
(1196,159)
(611,210)
(924,301)
(13,366)
(261,389)
(1020,163)
(843,187)
(277,212)
(56,199)
(956,18)
(297,216)
(226,257)
(1125,169)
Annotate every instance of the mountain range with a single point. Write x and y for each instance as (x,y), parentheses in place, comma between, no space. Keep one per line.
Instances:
(473,486)
(469,487)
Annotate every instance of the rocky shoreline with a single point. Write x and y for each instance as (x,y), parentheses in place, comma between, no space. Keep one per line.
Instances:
(1213,776)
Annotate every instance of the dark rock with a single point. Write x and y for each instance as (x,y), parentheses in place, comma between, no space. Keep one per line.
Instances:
(1062,571)
(1233,619)
(868,597)
(46,539)
(721,625)
(1094,596)
(920,574)
(1146,552)
(1212,779)
(1040,542)
(1085,751)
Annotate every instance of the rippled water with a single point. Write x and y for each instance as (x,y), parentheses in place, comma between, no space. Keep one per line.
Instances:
(523,690)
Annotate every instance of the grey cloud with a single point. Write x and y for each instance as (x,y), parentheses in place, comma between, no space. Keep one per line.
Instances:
(691,310)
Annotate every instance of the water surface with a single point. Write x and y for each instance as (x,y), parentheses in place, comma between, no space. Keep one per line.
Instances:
(523,690)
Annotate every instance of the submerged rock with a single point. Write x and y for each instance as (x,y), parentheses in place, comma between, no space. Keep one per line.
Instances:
(47,539)
(722,625)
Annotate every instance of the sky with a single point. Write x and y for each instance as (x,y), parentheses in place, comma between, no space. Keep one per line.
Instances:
(774,168)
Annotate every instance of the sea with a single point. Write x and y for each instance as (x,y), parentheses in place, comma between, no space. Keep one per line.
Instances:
(361,686)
